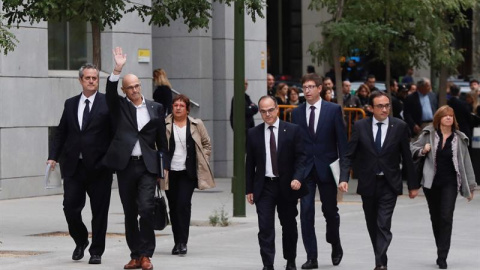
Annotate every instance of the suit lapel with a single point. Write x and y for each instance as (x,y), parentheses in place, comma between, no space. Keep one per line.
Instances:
(131,113)
(75,111)
(303,115)
(262,145)
(370,133)
(390,131)
(322,117)
(282,133)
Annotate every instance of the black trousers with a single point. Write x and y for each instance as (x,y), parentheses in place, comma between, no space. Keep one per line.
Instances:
(441,204)
(98,185)
(328,197)
(137,189)
(287,213)
(179,196)
(378,211)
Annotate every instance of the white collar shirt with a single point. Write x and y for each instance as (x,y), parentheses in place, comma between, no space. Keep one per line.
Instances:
(142,119)
(81,107)
(268,158)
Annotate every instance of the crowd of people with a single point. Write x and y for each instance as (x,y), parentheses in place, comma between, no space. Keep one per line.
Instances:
(157,144)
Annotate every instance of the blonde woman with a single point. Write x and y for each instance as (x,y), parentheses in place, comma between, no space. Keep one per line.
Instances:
(163,90)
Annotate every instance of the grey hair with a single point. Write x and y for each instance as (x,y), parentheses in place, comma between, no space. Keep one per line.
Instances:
(422,82)
(87,66)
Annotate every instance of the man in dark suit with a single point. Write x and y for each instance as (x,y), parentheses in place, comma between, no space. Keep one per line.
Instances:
(274,175)
(377,147)
(325,140)
(462,113)
(84,134)
(250,110)
(420,107)
(140,132)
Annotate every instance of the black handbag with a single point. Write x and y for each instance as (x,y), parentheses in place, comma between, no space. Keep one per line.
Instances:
(418,165)
(160,215)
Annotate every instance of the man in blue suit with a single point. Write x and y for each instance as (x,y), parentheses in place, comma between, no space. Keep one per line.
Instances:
(274,176)
(325,141)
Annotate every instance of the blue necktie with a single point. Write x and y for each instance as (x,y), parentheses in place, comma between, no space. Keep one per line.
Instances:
(378,137)
(311,121)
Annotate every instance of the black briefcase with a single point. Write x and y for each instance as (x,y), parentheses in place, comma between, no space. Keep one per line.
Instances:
(161,214)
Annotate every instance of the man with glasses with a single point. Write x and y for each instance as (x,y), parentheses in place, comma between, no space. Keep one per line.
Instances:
(325,140)
(377,147)
(274,176)
(84,134)
(140,133)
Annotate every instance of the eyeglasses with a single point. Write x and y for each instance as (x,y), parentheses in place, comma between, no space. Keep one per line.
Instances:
(269,111)
(309,87)
(382,106)
(131,87)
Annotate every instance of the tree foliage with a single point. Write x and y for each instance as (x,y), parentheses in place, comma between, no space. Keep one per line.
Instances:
(7,39)
(407,31)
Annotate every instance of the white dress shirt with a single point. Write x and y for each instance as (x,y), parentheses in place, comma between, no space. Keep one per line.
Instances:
(318,106)
(180,154)
(81,108)
(268,160)
(142,116)
(384,128)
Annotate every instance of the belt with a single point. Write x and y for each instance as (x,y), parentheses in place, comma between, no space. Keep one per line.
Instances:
(271,178)
(136,157)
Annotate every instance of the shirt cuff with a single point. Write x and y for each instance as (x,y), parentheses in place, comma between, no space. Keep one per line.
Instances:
(114,78)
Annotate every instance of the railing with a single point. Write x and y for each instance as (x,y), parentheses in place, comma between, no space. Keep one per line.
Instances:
(191,100)
(351,115)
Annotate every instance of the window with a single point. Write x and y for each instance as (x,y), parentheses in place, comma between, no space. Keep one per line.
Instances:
(69,45)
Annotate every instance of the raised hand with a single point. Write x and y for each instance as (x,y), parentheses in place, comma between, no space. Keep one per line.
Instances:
(120,60)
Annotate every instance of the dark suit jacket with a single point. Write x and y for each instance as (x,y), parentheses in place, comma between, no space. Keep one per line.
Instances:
(329,143)
(463,116)
(412,109)
(395,150)
(250,111)
(151,137)
(92,141)
(290,158)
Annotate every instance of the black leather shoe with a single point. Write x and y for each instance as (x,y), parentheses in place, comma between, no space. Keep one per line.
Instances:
(95,259)
(176,250)
(442,264)
(337,254)
(291,265)
(78,252)
(267,268)
(381,267)
(182,249)
(310,264)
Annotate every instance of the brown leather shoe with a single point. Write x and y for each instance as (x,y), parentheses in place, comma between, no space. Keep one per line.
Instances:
(146,264)
(133,264)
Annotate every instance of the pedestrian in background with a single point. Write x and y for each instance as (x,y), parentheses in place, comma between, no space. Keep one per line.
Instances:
(447,170)
(281,97)
(250,110)
(163,90)
(189,148)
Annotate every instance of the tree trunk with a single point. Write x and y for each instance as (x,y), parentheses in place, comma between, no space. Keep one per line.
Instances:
(96,45)
(442,86)
(338,73)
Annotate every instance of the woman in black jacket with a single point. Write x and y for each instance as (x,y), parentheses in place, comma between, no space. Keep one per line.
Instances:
(163,90)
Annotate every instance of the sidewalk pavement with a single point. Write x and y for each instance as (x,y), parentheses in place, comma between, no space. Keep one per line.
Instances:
(24,245)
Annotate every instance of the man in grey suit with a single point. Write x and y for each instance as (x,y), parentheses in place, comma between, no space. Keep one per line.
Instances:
(377,148)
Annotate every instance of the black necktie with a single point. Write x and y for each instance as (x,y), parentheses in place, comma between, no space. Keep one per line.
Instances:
(311,121)
(273,151)
(378,138)
(86,113)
